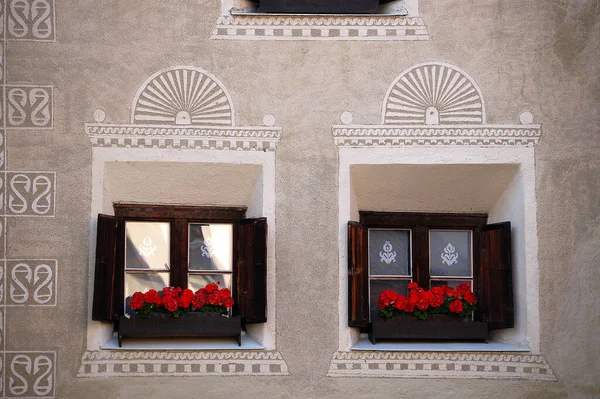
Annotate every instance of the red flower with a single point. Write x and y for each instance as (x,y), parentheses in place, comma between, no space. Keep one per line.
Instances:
(438,290)
(186,298)
(224,293)
(170,303)
(456,306)
(436,301)
(412,285)
(170,291)
(386,298)
(152,297)
(450,292)
(463,288)
(470,298)
(212,287)
(228,302)
(213,299)
(137,301)
(198,301)
(409,307)
(401,302)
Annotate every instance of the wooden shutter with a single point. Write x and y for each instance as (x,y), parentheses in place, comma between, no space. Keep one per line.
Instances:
(105,275)
(358,276)
(496,293)
(252,271)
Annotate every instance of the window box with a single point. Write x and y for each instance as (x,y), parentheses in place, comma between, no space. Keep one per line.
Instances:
(191,325)
(320,7)
(436,327)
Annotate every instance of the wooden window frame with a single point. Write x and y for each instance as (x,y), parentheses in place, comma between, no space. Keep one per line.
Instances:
(249,257)
(179,218)
(491,252)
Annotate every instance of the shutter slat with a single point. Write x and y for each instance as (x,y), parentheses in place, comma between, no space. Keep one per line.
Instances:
(104,307)
(358,276)
(252,271)
(496,291)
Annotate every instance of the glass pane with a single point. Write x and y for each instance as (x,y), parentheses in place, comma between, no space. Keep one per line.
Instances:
(377,286)
(210,246)
(147,245)
(197,281)
(135,282)
(450,253)
(450,283)
(389,252)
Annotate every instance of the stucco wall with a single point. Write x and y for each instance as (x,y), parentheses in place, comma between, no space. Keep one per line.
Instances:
(536,55)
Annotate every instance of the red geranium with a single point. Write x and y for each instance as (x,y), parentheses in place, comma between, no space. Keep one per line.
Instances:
(152,297)
(424,303)
(456,306)
(137,301)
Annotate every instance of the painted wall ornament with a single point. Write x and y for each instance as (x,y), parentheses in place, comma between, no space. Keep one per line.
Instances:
(183,107)
(183,96)
(435,104)
(31,282)
(29,107)
(31,20)
(30,374)
(31,193)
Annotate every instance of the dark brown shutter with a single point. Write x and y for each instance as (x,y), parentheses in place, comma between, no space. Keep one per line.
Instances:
(252,271)
(105,276)
(496,293)
(358,276)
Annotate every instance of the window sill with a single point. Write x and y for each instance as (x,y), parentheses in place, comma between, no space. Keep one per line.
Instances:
(271,14)
(179,344)
(363,344)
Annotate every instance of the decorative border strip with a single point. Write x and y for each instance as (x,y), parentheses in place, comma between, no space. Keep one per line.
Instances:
(212,138)
(278,27)
(440,365)
(401,136)
(181,364)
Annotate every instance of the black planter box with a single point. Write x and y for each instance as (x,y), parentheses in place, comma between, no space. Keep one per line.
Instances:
(162,325)
(436,327)
(320,6)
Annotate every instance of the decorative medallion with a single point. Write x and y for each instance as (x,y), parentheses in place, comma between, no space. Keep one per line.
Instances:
(433,94)
(183,96)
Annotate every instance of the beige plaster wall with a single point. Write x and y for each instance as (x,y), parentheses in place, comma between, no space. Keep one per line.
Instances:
(536,55)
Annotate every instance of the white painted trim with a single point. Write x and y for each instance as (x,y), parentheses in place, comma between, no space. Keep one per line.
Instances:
(98,333)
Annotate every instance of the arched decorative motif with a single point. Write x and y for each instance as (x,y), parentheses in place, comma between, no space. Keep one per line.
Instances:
(433,93)
(183,96)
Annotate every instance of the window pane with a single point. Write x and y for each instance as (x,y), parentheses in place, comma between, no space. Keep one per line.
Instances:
(450,253)
(377,286)
(197,281)
(210,246)
(389,252)
(147,245)
(135,282)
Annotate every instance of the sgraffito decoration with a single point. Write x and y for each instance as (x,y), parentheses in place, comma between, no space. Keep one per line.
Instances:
(30,193)
(183,96)
(25,283)
(31,282)
(31,20)
(183,107)
(434,104)
(29,107)
(30,374)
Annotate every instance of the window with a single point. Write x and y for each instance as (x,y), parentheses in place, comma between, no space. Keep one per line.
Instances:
(145,246)
(389,250)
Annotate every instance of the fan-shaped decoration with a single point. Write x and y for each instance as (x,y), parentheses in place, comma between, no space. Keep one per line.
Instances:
(433,94)
(183,96)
